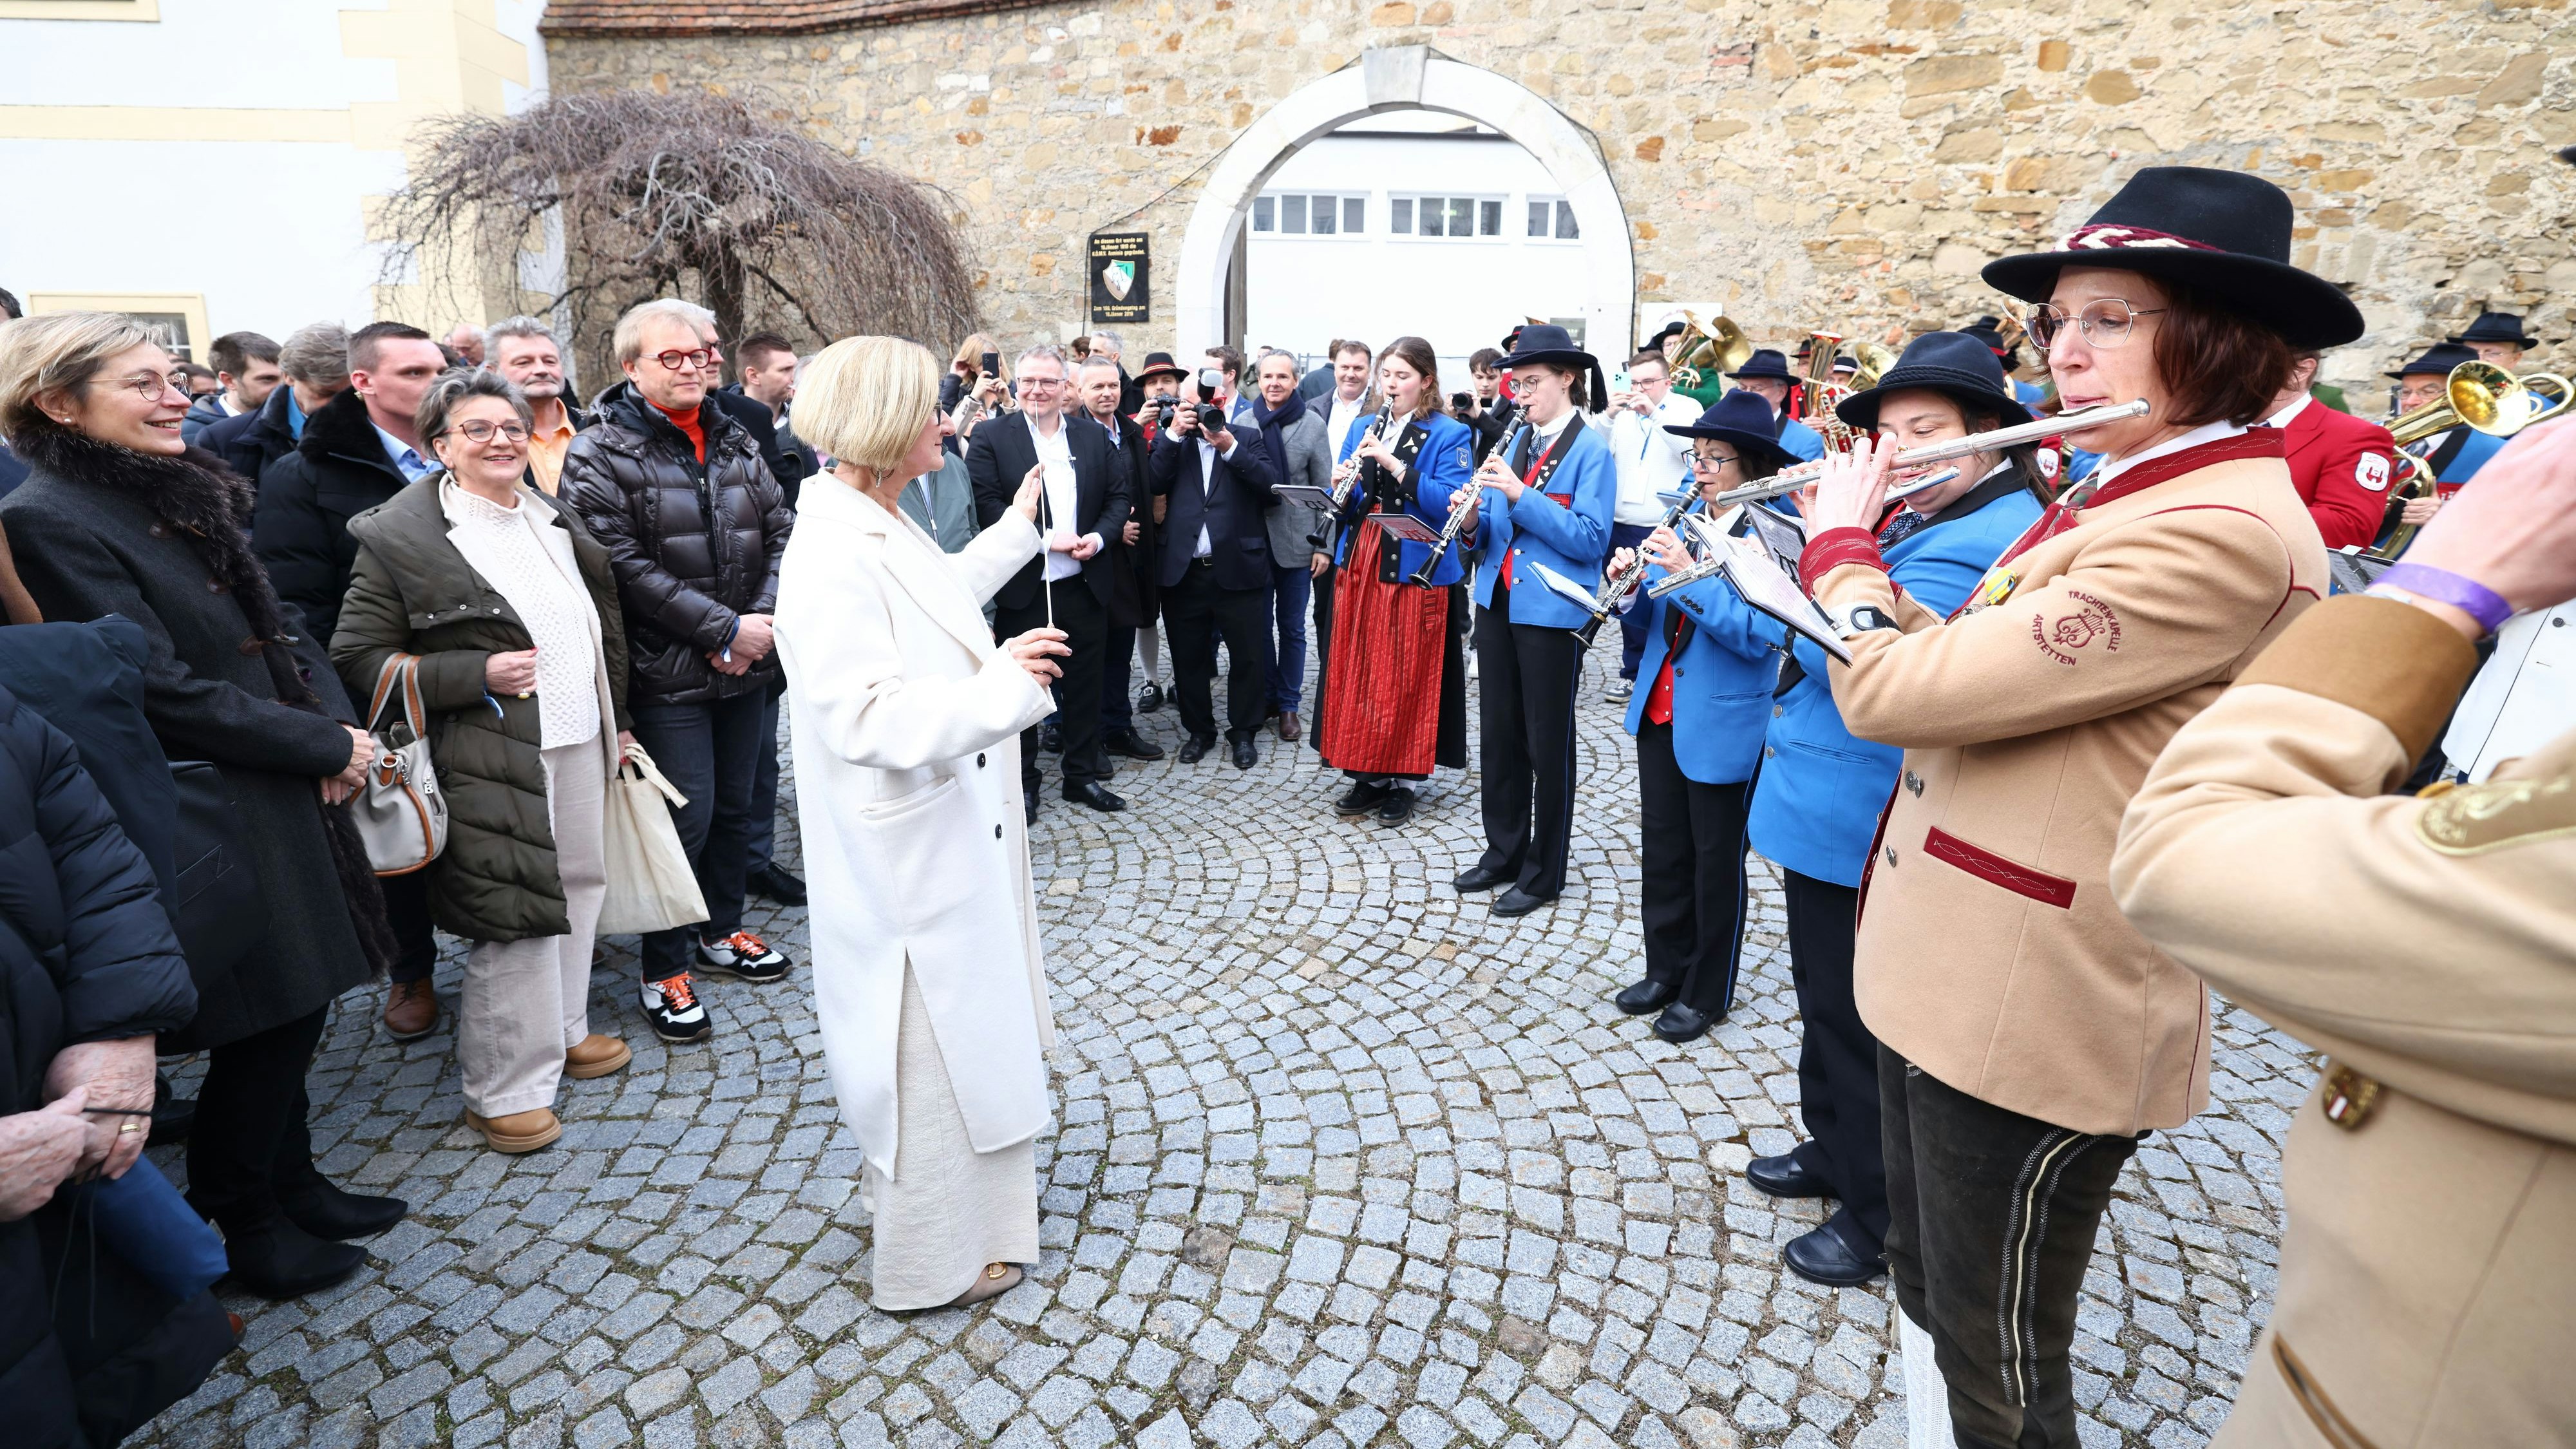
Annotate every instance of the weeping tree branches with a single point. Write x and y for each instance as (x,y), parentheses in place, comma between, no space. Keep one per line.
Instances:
(663,195)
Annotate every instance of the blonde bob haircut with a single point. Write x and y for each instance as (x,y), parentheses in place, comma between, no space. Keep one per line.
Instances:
(865,400)
(57,352)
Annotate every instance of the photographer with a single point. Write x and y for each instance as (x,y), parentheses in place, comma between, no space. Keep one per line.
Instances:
(1215,576)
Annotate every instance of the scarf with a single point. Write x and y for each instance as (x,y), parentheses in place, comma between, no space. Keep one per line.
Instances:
(1274,429)
(209,505)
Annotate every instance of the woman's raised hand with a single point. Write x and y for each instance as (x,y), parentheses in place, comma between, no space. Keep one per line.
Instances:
(1852,490)
(1036,651)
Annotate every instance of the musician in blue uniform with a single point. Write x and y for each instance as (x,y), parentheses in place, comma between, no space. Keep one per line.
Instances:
(1703,697)
(1394,698)
(1766,374)
(1548,504)
(1817,803)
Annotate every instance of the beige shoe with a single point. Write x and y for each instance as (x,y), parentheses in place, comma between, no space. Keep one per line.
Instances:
(998,1279)
(596,1056)
(516,1132)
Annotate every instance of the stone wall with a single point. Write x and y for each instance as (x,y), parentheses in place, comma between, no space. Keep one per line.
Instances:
(1847,163)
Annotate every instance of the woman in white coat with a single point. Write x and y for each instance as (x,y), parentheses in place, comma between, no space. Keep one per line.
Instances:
(928,976)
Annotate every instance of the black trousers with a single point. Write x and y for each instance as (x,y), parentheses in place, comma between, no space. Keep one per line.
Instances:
(251,1141)
(407,911)
(1837,1059)
(1525,717)
(1991,1217)
(764,783)
(1195,613)
(1085,622)
(1693,906)
(711,752)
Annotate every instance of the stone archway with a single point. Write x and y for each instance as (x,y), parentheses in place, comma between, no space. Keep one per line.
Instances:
(1408,78)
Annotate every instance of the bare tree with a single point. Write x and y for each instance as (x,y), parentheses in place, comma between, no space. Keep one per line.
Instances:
(656,190)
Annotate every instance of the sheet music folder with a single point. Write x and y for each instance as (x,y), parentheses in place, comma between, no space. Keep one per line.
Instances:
(1304,493)
(2354,571)
(1748,565)
(1405,526)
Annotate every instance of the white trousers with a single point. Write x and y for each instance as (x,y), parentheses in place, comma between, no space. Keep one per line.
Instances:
(526,1002)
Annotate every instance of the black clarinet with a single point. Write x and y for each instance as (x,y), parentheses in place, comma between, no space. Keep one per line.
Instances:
(1359,465)
(1458,518)
(1616,586)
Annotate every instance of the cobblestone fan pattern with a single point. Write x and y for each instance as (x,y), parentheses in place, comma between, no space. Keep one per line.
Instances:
(1338,1161)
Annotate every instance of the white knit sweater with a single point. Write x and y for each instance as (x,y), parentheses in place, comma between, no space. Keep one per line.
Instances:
(547,592)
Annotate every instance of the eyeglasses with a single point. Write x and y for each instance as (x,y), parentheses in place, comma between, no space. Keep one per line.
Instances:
(149,386)
(703,357)
(2106,322)
(1711,460)
(479,431)
(1027,383)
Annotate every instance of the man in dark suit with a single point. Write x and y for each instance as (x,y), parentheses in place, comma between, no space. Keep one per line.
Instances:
(1085,503)
(1134,553)
(1216,568)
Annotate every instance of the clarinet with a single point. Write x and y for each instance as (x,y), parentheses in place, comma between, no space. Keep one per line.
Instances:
(1616,586)
(1343,487)
(1458,517)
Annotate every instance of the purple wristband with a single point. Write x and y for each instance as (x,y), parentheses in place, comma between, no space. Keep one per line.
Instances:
(2443,586)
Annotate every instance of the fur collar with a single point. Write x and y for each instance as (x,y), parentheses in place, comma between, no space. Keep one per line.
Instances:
(341,428)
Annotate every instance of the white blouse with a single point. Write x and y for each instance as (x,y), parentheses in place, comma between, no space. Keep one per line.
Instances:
(547,592)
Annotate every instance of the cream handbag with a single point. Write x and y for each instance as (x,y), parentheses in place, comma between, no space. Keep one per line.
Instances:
(650,885)
(400,813)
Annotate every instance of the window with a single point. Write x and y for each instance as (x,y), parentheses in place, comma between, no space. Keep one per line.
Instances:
(1552,218)
(1299,213)
(178,319)
(1446,216)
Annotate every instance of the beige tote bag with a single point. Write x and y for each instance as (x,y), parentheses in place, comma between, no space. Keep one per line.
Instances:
(401,815)
(650,885)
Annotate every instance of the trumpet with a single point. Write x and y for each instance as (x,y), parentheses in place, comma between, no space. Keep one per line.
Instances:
(1789,481)
(1458,516)
(2486,398)
(1348,478)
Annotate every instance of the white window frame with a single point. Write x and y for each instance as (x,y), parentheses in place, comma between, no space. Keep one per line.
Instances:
(1479,199)
(1277,201)
(1560,211)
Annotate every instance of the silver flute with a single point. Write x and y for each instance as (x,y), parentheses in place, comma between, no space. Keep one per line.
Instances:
(1791,480)
(1713,557)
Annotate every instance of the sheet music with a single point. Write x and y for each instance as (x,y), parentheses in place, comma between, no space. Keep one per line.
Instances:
(1405,526)
(1304,493)
(1780,533)
(1766,586)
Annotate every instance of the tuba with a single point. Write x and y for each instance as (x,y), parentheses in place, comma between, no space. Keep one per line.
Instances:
(1714,346)
(1874,361)
(1823,394)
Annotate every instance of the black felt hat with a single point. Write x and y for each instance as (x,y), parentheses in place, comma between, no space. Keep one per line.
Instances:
(1745,420)
(2437,361)
(1669,329)
(2222,233)
(1956,365)
(1159,364)
(1990,331)
(1545,343)
(2497,327)
(1768,362)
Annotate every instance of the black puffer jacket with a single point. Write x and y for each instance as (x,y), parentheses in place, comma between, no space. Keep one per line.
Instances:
(306,499)
(693,544)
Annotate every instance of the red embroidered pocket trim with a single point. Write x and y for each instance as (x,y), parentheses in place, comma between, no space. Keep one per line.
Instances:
(1985,865)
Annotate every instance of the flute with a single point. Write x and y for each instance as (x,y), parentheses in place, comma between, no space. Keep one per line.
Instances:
(1710,564)
(1458,516)
(1791,480)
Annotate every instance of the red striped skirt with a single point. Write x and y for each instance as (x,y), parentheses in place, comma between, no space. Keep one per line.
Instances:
(1382,684)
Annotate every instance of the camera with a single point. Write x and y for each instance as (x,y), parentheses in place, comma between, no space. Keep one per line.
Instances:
(1462,403)
(1163,410)
(1211,419)
(991,363)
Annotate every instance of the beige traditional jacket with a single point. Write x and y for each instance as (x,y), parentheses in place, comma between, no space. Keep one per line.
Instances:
(1990,952)
(2428,1280)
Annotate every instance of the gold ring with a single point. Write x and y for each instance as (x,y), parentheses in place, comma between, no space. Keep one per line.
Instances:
(523,694)
(130,1126)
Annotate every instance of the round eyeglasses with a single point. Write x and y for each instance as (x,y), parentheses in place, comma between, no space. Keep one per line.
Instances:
(2106,322)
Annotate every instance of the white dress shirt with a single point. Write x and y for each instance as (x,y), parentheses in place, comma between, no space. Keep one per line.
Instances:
(1063,496)
(2282,418)
(1337,423)
(1651,461)
(2205,433)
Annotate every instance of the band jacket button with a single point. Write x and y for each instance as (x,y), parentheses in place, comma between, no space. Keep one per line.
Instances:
(979,762)
(997,832)
(1777,710)
(1767,752)
(1914,782)
(1891,855)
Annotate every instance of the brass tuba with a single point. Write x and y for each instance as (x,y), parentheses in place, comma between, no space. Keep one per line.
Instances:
(1874,360)
(2483,396)
(1716,345)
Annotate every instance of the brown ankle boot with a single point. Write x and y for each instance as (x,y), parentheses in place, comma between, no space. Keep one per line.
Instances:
(517,1131)
(595,1056)
(411,1010)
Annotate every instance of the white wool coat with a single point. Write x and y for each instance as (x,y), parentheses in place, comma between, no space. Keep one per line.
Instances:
(906,720)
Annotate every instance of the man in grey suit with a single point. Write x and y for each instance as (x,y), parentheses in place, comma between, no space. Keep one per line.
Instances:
(1292,433)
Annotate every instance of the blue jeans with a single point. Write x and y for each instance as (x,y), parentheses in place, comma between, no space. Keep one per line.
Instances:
(1632,624)
(711,752)
(1283,663)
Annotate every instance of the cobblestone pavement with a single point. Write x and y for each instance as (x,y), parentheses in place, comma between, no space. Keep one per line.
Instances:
(1337,1162)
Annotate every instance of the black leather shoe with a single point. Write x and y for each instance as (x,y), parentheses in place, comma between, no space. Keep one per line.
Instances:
(1823,1256)
(1363,798)
(1029,798)
(1518,902)
(1477,878)
(1093,794)
(1196,748)
(284,1261)
(319,1207)
(1245,754)
(1151,700)
(1786,1176)
(777,883)
(1131,745)
(1683,1022)
(1398,807)
(1647,995)
(1051,739)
